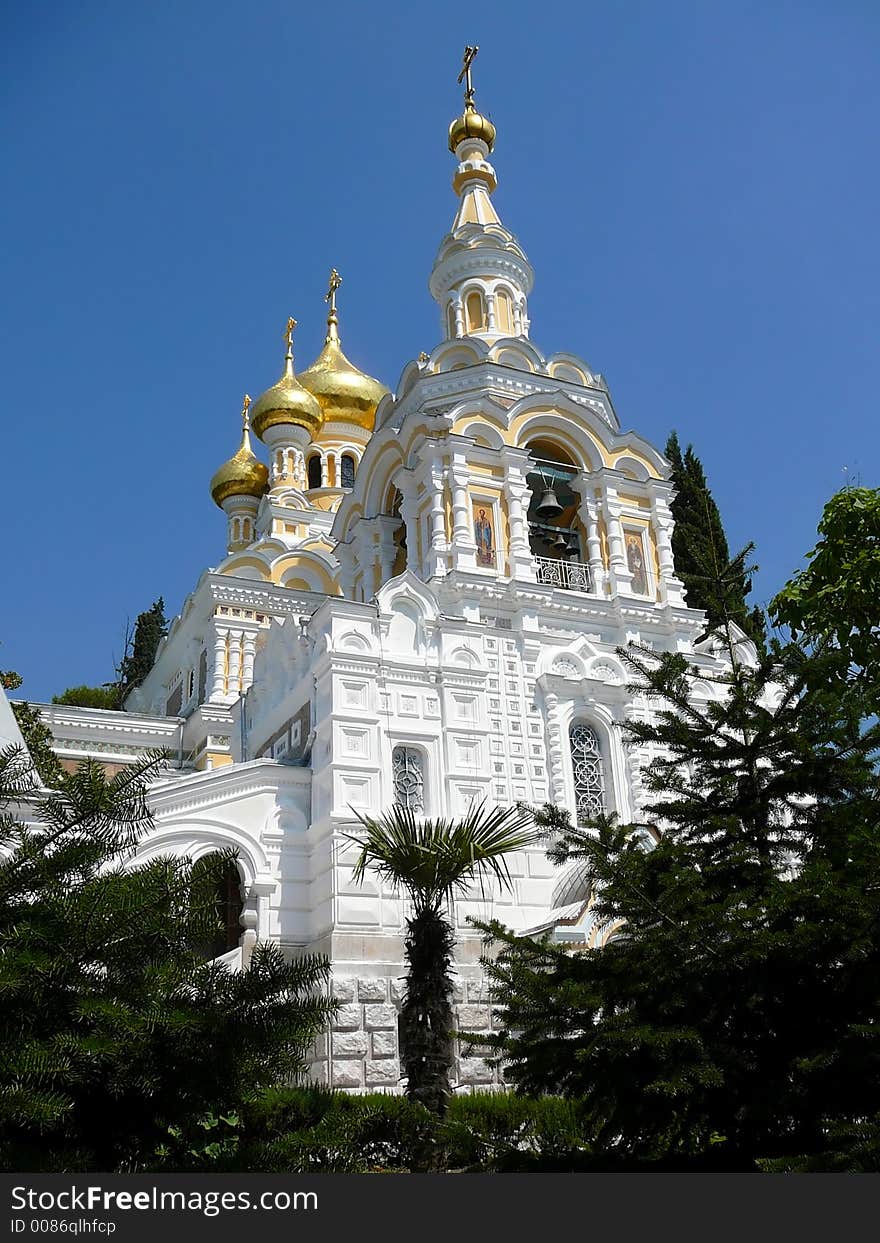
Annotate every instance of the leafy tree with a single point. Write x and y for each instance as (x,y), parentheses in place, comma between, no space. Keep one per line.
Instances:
(149,631)
(701,552)
(433,860)
(733,1015)
(89,696)
(837,597)
(36,734)
(116,1039)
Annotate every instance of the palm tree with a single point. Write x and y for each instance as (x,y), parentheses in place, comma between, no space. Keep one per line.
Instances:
(433,860)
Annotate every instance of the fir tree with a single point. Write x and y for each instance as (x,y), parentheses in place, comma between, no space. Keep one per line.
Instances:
(700,549)
(732,1019)
(116,1038)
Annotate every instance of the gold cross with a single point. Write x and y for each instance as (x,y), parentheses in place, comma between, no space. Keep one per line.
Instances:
(288,332)
(245,406)
(330,295)
(469,54)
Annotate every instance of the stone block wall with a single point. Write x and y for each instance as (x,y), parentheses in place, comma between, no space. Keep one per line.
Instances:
(360,1052)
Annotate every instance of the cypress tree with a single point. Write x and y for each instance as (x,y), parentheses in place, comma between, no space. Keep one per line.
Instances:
(701,551)
(150,629)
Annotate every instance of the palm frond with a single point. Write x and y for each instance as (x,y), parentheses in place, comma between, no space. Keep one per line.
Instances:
(434,859)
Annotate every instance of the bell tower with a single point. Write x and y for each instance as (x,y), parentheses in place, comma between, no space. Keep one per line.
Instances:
(481,277)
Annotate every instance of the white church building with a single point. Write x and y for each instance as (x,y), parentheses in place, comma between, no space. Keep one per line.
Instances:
(420,602)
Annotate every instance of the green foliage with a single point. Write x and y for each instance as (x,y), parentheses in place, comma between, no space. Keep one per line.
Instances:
(432,860)
(37,735)
(735,1016)
(837,597)
(508,1133)
(311,1129)
(118,1044)
(89,697)
(304,1130)
(712,580)
(149,630)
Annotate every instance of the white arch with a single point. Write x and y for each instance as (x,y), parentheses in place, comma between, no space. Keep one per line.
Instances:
(194,839)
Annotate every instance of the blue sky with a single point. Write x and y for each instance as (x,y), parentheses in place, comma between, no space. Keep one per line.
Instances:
(696,185)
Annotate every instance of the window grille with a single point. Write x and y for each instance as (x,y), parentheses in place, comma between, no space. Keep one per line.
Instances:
(589,779)
(346,471)
(408,774)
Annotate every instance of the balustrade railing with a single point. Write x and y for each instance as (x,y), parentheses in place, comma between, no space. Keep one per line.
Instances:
(570,575)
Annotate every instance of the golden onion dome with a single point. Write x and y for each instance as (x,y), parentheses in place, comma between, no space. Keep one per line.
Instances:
(471,124)
(244,474)
(286,402)
(345,394)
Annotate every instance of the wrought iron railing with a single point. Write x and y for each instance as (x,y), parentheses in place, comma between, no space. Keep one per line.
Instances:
(570,575)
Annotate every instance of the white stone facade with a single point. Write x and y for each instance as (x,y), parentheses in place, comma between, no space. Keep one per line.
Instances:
(432,621)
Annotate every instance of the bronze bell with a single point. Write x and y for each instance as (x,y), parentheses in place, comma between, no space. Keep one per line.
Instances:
(560,542)
(549,507)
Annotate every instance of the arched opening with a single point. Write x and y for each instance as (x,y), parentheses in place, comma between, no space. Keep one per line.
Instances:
(347,471)
(504,312)
(313,471)
(475,311)
(450,320)
(227,906)
(393,509)
(554,528)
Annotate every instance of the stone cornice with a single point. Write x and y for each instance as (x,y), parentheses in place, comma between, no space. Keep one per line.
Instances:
(207,789)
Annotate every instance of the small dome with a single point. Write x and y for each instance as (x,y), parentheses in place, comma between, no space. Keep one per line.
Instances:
(345,394)
(286,402)
(471,124)
(243,475)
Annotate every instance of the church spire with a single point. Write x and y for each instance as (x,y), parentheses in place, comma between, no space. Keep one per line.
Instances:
(486,296)
(332,317)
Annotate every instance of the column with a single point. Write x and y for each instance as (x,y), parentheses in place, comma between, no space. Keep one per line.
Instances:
(409,493)
(248,654)
(464,548)
(218,681)
(671,588)
(618,573)
(345,557)
(436,567)
(233,679)
(386,549)
(490,312)
(521,563)
(459,317)
(589,512)
(555,764)
(324,469)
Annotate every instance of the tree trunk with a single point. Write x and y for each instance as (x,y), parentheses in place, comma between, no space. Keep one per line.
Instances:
(426,1019)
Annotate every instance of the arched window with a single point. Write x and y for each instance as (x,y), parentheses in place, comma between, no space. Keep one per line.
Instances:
(589,778)
(314,471)
(346,471)
(476,318)
(450,320)
(408,776)
(504,312)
